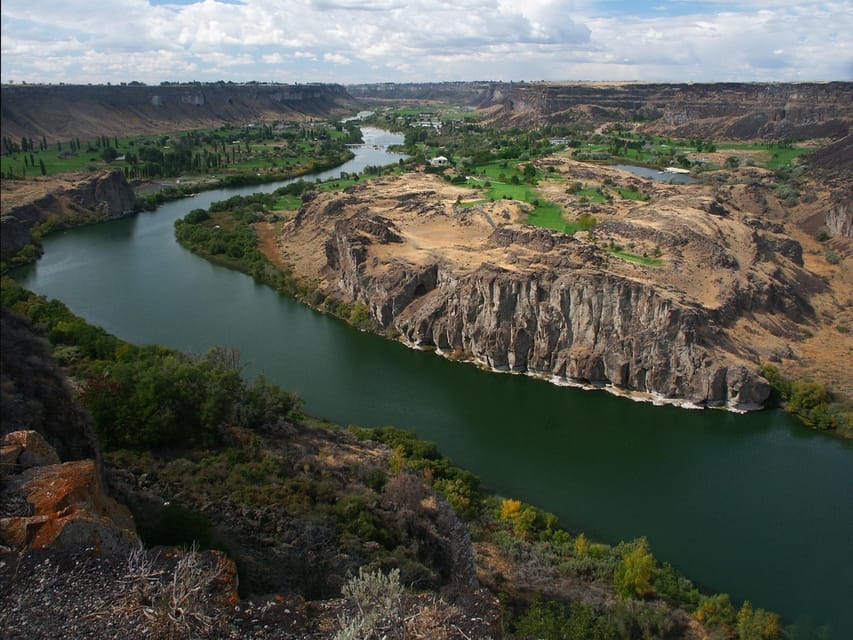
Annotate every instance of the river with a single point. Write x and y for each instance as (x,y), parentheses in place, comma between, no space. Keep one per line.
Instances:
(752,505)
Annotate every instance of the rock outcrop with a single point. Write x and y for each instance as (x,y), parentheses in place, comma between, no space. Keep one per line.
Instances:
(48,504)
(89,197)
(722,110)
(529,300)
(834,163)
(579,326)
(839,217)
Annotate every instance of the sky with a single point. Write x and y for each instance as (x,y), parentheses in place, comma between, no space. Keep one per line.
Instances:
(357,41)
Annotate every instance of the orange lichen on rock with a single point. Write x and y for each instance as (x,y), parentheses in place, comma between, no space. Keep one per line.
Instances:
(68,506)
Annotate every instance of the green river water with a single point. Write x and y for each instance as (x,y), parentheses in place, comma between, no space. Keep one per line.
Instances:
(753,505)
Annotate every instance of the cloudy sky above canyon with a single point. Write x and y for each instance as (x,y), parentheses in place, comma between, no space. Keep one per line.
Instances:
(351,41)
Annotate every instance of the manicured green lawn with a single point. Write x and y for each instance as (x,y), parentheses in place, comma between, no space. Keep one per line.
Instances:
(782,157)
(497,171)
(544,214)
(335,185)
(550,216)
(776,156)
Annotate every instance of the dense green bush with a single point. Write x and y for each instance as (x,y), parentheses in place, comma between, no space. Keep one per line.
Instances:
(149,397)
(161,399)
(460,488)
(812,402)
(551,620)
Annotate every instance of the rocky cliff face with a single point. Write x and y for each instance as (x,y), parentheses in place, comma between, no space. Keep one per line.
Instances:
(577,325)
(732,111)
(77,198)
(35,395)
(67,111)
(834,164)
(839,217)
(528,300)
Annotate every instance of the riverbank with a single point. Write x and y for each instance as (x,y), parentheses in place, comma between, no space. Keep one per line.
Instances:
(314,293)
(517,549)
(613,468)
(36,207)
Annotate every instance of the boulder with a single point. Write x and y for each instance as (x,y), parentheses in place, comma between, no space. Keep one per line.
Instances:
(59,505)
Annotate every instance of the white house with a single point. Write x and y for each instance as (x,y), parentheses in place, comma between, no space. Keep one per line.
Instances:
(438,161)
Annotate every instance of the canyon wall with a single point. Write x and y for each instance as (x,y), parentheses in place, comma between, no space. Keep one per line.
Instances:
(62,112)
(722,110)
(556,311)
(84,197)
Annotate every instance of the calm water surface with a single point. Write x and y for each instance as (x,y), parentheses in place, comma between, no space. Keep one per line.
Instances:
(654,174)
(752,505)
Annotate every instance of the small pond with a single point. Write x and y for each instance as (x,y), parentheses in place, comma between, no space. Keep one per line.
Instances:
(655,174)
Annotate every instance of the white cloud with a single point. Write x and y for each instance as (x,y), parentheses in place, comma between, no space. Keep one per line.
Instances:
(419,40)
(336,58)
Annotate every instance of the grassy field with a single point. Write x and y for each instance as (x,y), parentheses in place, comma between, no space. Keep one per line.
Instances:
(502,170)
(630,194)
(592,194)
(630,257)
(287,203)
(774,156)
(497,178)
(550,216)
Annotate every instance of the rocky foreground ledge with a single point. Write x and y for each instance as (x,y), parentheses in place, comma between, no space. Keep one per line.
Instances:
(442,269)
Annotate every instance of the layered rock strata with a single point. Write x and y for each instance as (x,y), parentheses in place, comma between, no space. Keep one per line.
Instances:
(721,110)
(61,112)
(528,300)
(84,197)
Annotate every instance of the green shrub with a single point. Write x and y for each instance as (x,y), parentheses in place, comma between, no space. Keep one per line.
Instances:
(551,620)
(716,611)
(633,575)
(812,402)
(757,624)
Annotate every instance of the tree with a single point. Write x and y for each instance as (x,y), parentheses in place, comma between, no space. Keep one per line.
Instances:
(633,576)
(716,610)
(42,167)
(510,508)
(756,624)
(581,545)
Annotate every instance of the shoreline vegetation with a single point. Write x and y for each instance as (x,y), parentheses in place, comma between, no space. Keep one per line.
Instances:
(644,591)
(238,151)
(169,167)
(207,400)
(225,234)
